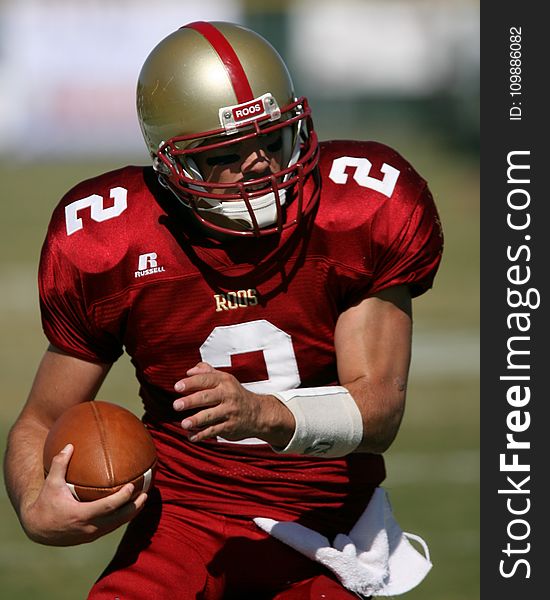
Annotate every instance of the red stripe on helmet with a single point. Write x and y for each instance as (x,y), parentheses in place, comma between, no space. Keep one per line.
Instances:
(235,70)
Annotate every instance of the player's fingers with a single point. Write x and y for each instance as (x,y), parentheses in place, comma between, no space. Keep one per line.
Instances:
(201,367)
(203,419)
(129,510)
(60,463)
(139,502)
(199,399)
(106,523)
(207,433)
(111,503)
(200,381)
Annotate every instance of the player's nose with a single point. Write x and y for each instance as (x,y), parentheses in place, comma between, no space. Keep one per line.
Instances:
(255,157)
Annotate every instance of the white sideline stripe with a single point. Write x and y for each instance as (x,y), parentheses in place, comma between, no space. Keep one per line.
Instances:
(435,355)
(405,468)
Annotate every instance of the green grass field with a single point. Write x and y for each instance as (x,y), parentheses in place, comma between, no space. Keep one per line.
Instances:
(433,466)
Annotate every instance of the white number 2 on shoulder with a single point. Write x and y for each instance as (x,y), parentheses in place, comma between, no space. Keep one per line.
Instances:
(98,212)
(361,175)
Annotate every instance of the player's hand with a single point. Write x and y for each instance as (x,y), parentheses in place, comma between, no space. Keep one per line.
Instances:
(226,409)
(56,518)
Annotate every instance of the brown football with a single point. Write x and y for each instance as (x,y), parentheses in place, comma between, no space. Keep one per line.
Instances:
(111,447)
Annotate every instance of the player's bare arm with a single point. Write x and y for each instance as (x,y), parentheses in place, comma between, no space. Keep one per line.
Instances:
(373,342)
(46,508)
(373,349)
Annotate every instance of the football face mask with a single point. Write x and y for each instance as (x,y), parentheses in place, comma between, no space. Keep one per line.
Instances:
(238,181)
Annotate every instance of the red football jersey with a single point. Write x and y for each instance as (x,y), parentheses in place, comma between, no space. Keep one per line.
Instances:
(122,270)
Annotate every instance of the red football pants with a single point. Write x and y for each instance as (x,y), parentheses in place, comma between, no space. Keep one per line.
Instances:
(173,553)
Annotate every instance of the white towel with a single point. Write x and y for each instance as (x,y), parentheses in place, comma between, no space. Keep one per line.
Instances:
(374,559)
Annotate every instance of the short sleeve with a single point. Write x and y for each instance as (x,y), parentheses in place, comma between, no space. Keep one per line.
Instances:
(407,247)
(66,320)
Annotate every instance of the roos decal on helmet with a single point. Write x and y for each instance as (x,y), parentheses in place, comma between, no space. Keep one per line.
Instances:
(232,117)
(210,88)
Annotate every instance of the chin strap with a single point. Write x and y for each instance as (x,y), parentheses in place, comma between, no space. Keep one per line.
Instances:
(264,207)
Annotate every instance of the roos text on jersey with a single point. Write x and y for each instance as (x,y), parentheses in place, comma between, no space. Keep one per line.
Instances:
(521,299)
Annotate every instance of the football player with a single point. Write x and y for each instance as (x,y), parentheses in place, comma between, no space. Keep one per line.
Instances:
(261,283)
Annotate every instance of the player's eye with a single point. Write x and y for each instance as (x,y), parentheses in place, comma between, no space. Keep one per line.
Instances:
(222,160)
(276,145)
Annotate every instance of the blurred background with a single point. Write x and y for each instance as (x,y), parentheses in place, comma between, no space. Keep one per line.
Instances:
(402,72)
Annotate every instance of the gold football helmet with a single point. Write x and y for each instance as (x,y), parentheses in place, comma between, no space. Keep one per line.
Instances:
(211,86)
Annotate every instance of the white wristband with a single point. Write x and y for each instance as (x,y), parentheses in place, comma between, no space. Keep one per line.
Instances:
(328,421)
